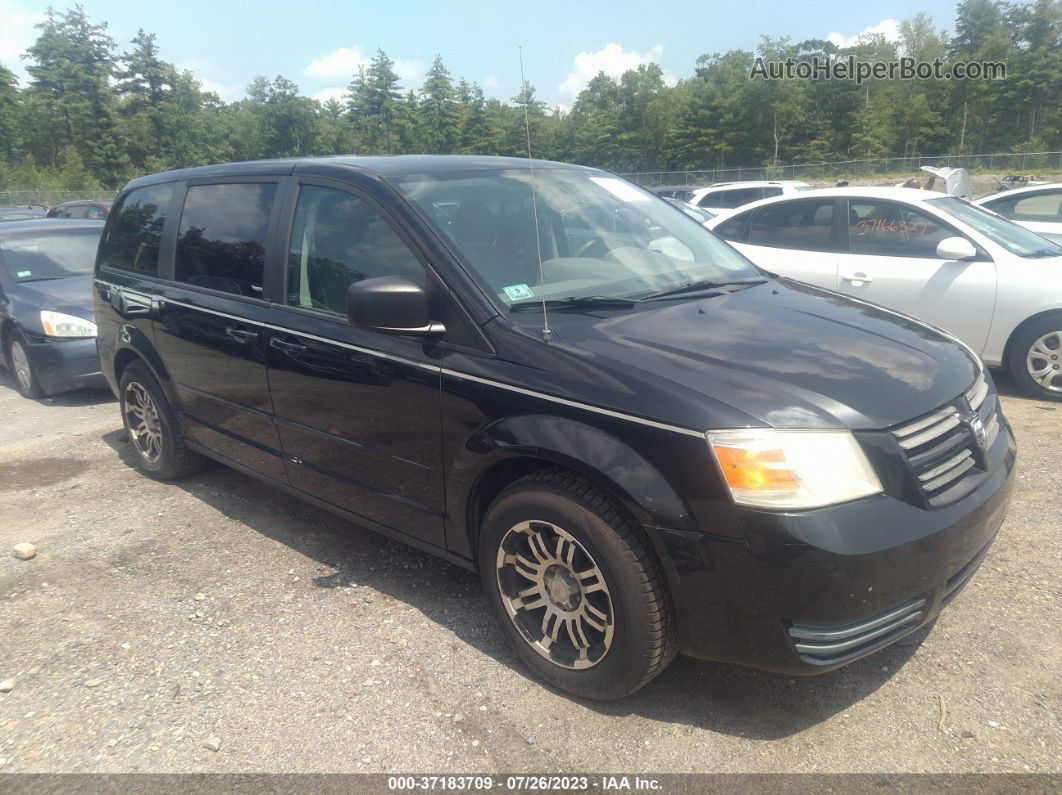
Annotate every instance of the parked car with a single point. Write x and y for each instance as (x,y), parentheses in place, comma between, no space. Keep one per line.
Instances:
(26,213)
(991,283)
(93,210)
(698,214)
(680,192)
(723,196)
(1038,208)
(640,452)
(46,329)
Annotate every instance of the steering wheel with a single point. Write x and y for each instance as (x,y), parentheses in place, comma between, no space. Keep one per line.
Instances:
(585,248)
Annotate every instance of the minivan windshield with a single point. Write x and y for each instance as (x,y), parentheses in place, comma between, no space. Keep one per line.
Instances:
(1015,239)
(599,236)
(52,255)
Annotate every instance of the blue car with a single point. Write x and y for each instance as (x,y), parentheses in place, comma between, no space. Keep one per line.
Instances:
(46,326)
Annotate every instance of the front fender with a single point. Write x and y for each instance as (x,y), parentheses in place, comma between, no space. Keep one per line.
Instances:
(580,447)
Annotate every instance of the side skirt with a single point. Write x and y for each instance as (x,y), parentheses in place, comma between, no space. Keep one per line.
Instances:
(353,518)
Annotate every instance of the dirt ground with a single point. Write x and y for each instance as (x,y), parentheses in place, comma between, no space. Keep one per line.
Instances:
(160,622)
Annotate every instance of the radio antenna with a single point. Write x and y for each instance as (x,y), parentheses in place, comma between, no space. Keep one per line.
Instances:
(547,334)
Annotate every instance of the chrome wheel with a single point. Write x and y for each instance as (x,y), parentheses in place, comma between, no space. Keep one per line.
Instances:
(555,594)
(20,364)
(142,420)
(1044,361)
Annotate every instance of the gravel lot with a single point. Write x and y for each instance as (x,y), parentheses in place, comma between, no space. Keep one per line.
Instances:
(159,622)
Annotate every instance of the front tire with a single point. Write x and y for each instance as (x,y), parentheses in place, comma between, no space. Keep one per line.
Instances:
(575,586)
(1036,358)
(154,433)
(26,380)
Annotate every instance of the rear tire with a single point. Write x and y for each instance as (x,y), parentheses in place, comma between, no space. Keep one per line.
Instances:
(154,432)
(18,355)
(1036,358)
(577,590)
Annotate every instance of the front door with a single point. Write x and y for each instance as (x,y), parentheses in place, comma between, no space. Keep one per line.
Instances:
(357,411)
(892,260)
(206,332)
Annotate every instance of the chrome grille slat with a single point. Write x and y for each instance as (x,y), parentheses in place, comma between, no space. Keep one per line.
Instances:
(925,422)
(977,394)
(950,475)
(942,468)
(931,433)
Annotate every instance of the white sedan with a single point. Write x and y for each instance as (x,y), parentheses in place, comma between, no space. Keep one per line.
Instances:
(1037,207)
(991,283)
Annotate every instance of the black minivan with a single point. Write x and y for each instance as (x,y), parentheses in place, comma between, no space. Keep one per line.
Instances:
(643,443)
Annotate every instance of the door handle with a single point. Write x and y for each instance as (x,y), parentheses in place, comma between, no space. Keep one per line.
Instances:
(858,277)
(290,348)
(240,335)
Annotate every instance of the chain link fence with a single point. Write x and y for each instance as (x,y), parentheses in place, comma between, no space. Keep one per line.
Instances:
(1004,163)
(50,197)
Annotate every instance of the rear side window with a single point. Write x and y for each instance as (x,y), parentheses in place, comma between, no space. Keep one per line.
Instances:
(735,197)
(1043,207)
(769,192)
(222,236)
(135,229)
(805,225)
(337,239)
(893,230)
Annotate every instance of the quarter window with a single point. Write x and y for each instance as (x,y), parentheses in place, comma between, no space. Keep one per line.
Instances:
(893,230)
(805,225)
(221,240)
(135,229)
(338,239)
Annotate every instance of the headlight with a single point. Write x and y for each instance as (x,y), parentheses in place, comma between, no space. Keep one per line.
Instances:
(769,468)
(56,324)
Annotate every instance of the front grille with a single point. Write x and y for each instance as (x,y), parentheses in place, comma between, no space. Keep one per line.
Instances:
(942,446)
(826,644)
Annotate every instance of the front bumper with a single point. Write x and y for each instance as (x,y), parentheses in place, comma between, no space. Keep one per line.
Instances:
(64,365)
(804,593)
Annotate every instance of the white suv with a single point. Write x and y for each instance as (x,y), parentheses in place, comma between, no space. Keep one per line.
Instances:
(723,196)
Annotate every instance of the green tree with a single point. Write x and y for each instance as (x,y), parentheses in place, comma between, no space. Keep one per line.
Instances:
(438,111)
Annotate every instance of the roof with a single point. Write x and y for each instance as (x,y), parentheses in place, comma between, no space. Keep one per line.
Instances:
(1020,191)
(756,183)
(910,195)
(9,228)
(382,165)
(79,202)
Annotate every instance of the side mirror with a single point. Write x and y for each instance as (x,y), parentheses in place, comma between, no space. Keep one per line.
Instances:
(390,305)
(956,248)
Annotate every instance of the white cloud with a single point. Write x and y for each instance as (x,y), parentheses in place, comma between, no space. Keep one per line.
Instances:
(611,59)
(490,82)
(341,64)
(17,34)
(889,28)
(337,93)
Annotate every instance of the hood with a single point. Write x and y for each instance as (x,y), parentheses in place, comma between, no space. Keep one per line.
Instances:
(787,354)
(72,295)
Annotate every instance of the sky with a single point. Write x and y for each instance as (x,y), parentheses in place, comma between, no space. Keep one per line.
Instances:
(320,43)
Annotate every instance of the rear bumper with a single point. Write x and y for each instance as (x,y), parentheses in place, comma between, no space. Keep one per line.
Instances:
(805,593)
(64,365)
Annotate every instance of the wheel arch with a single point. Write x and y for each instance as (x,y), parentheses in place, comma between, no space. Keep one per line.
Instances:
(1009,346)
(503,452)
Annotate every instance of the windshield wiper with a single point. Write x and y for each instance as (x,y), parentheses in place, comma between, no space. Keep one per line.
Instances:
(41,279)
(1044,252)
(573,302)
(698,286)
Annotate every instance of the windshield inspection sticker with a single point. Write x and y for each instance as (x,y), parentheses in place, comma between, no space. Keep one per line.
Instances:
(620,189)
(24,274)
(518,291)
